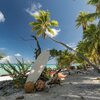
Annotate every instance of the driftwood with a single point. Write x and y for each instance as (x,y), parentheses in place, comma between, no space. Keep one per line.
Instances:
(55,79)
(38,49)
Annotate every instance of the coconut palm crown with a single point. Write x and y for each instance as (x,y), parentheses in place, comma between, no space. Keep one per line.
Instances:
(95,3)
(42,23)
(83,20)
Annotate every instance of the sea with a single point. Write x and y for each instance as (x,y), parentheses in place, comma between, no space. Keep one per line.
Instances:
(3,72)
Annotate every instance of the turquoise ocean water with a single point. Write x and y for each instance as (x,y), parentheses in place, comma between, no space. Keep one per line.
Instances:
(3,72)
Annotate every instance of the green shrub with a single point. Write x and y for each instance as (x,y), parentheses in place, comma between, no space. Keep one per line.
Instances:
(45,74)
(18,72)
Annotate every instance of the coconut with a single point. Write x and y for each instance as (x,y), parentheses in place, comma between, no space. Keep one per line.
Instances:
(29,87)
(40,85)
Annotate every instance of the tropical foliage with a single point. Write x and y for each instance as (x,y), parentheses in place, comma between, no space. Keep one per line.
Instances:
(64,58)
(17,71)
(89,46)
(95,3)
(42,23)
(83,20)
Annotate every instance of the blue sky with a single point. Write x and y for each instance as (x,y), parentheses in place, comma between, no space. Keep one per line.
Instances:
(15,18)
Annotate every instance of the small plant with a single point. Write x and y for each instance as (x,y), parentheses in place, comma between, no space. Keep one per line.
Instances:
(45,74)
(18,72)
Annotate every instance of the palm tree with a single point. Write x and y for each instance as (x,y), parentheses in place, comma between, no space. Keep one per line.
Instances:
(54,52)
(43,23)
(95,3)
(92,36)
(83,20)
(84,49)
(64,59)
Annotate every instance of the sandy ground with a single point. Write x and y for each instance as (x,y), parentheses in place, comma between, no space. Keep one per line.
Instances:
(5,78)
(76,87)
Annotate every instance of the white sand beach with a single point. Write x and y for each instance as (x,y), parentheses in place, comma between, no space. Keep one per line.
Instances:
(5,78)
(84,86)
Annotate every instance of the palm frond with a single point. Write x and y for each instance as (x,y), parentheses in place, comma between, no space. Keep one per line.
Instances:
(35,28)
(7,69)
(51,31)
(12,67)
(39,32)
(93,16)
(20,65)
(35,23)
(54,23)
(93,2)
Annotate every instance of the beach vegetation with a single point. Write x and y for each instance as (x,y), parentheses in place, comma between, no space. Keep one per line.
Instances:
(89,45)
(42,23)
(18,72)
(64,58)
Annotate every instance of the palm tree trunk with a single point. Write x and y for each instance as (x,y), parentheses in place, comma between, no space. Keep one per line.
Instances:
(79,54)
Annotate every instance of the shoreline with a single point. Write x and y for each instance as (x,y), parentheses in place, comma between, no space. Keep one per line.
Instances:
(5,78)
(74,87)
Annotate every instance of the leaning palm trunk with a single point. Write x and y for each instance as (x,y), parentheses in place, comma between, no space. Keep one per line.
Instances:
(79,54)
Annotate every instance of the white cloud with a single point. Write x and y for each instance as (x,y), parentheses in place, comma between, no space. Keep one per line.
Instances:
(36,13)
(12,59)
(33,9)
(2,18)
(55,32)
(28,60)
(17,55)
(2,48)
(39,5)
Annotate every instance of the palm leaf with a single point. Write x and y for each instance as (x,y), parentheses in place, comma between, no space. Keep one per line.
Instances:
(39,32)
(54,23)
(42,15)
(27,67)
(93,2)
(20,65)
(47,18)
(93,15)
(35,23)
(35,28)
(50,30)
(12,67)
(6,68)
